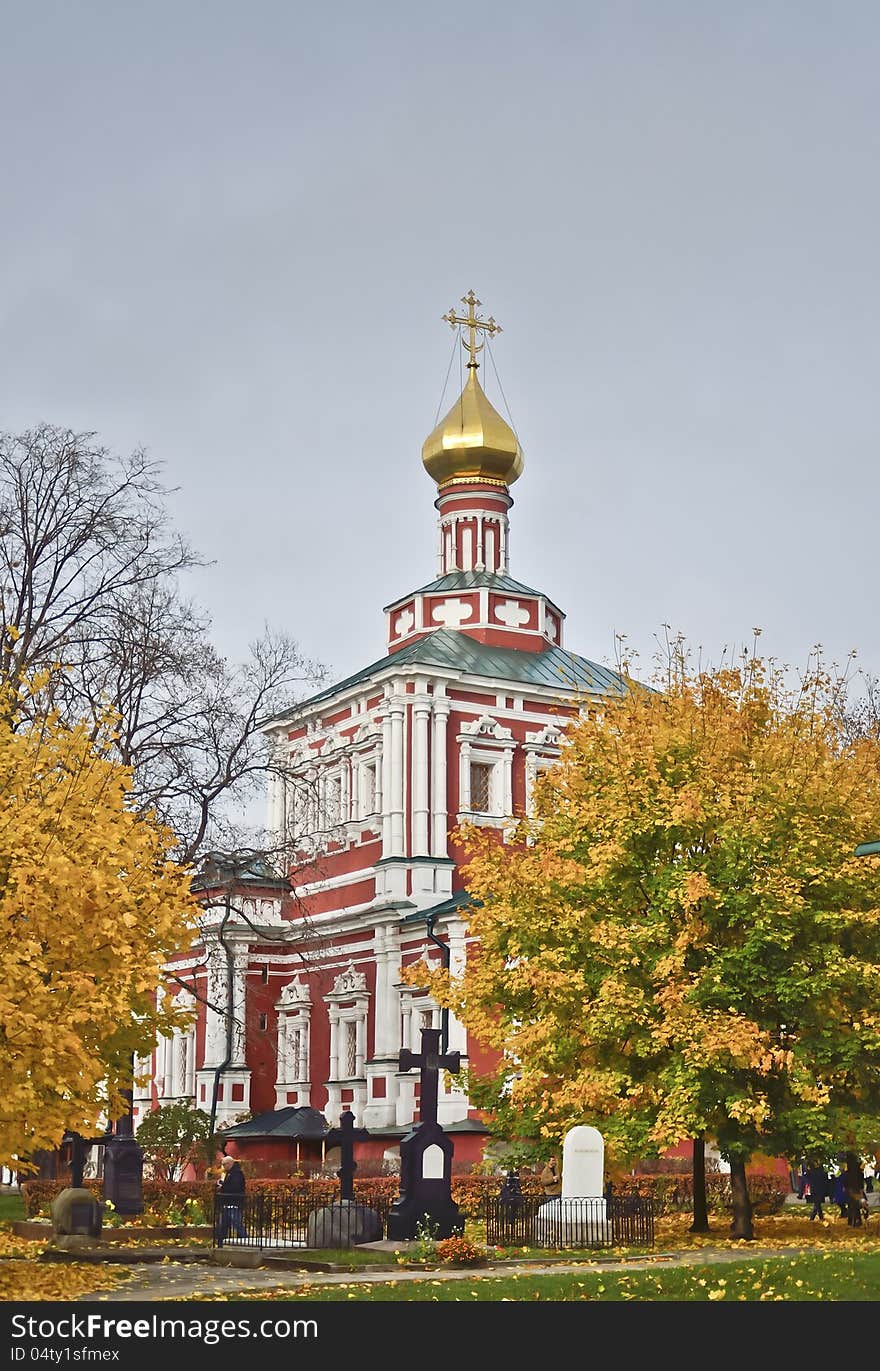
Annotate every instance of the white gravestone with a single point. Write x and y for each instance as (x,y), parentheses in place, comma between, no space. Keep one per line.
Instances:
(578,1218)
(583,1163)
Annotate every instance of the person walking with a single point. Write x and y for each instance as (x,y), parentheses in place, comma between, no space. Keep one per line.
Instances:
(551,1179)
(856,1200)
(231,1190)
(839,1193)
(817,1180)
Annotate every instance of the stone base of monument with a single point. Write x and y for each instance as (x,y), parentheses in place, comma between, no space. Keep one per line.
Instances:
(76,1212)
(572,1223)
(344,1224)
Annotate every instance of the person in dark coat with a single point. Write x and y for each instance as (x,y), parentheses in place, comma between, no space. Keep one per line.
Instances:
(839,1194)
(817,1180)
(231,1190)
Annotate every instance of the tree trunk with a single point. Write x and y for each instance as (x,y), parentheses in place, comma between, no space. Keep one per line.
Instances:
(701,1208)
(741,1227)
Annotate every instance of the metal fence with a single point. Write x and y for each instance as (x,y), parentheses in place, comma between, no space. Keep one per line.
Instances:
(294,1220)
(532,1221)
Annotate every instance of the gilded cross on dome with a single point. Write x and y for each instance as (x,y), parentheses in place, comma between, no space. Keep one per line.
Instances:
(474,324)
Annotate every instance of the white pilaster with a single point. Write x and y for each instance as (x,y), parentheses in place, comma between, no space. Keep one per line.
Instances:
(397,706)
(439,847)
(421,712)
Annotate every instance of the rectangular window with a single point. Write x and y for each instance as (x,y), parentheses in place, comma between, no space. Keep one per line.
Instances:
(369,790)
(264,1022)
(264,975)
(333,800)
(351,1048)
(481,787)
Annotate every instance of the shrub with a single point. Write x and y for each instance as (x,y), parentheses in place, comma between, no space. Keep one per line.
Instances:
(460,1251)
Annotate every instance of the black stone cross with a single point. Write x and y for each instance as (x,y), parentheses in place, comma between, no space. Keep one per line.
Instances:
(430,1060)
(344,1137)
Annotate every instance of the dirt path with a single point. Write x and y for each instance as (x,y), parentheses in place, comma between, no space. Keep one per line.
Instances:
(174,1282)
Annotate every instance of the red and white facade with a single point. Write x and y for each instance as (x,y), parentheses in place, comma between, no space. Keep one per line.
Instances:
(373,775)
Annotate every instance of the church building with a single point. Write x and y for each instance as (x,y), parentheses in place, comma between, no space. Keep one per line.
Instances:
(301,1007)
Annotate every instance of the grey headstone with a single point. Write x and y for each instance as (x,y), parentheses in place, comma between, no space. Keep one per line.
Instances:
(344,1224)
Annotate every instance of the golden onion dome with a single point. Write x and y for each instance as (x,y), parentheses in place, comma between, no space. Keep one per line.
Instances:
(472,443)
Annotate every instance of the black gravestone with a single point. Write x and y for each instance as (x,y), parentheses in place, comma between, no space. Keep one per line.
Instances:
(347,1223)
(124,1174)
(426,1152)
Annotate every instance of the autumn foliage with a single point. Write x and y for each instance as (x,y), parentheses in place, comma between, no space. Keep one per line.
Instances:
(681,939)
(91,906)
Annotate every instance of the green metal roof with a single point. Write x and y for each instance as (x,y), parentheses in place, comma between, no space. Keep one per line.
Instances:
(295,1121)
(447,648)
(461,900)
(471,580)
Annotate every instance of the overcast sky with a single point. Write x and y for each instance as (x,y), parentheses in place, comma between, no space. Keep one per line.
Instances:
(228,233)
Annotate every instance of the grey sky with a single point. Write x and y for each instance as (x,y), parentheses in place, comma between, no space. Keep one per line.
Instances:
(228,233)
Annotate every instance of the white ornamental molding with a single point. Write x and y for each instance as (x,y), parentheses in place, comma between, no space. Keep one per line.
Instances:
(295,992)
(512,613)
(404,622)
(552,629)
(366,733)
(452,613)
(487,727)
(350,982)
(549,736)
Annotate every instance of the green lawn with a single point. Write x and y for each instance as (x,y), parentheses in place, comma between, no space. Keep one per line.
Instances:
(11,1206)
(814,1277)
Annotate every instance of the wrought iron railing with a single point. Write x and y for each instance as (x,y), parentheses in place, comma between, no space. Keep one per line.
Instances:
(534,1221)
(298,1219)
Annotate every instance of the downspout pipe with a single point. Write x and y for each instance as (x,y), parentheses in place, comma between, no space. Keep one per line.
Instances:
(444,950)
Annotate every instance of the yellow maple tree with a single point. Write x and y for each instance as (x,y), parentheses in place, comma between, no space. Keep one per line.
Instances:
(91,906)
(681,939)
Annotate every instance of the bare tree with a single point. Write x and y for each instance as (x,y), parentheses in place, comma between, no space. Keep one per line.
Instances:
(89,582)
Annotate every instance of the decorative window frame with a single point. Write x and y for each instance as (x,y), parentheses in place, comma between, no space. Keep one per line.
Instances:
(486,742)
(348,1002)
(294,1010)
(543,749)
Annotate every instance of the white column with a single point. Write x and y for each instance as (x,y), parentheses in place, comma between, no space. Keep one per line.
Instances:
(386,779)
(421,712)
(165,1060)
(302,1064)
(273,807)
(190,1083)
(503,556)
(177,1064)
(407,1022)
(455,934)
(479,560)
(239,1006)
(282,1069)
(360,1045)
(334,1045)
(398,709)
(438,767)
(464,777)
(386,1023)
(215,1012)
(506,797)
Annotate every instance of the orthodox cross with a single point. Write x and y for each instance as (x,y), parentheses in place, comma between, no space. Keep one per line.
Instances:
(79,1147)
(430,1061)
(473,323)
(344,1137)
